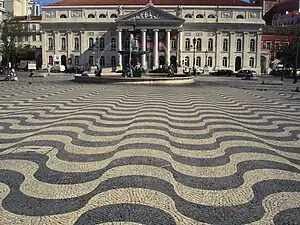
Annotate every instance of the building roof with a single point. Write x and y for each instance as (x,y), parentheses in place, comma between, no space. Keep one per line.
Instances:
(282,7)
(155,2)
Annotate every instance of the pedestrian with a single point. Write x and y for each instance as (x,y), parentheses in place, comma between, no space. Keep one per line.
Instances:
(295,76)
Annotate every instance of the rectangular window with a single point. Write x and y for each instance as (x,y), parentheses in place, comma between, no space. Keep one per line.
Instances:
(34,27)
(36,10)
(34,38)
(277,45)
(268,45)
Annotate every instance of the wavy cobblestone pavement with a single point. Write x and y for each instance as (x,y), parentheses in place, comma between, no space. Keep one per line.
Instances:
(211,153)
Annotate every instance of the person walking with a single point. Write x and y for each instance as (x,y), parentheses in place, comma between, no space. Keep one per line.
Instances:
(295,76)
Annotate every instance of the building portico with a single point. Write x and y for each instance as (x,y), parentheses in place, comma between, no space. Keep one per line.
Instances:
(153,28)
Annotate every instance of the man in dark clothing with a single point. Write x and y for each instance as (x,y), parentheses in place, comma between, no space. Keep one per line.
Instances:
(295,76)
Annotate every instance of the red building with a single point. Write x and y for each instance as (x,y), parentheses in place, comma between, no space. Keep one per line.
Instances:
(272,43)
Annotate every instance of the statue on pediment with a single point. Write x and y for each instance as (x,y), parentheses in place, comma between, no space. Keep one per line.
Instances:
(120,10)
(179,10)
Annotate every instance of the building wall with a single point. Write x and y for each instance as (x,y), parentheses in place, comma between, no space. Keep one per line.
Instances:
(272,43)
(217,23)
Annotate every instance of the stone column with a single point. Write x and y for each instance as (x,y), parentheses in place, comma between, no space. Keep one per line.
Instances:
(179,47)
(155,49)
(168,47)
(82,48)
(245,63)
(69,39)
(44,48)
(56,42)
(232,50)
(119,48)
(144,47)
(258,53)
(218,46)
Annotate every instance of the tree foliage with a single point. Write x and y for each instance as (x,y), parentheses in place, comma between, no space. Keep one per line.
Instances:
(11,31)
(293,30)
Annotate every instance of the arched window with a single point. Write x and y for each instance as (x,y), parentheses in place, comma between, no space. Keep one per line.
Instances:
(238,45)
(113,61)
(188,16)
(76,61)
(113,44)
(211,16)
(173,43)
(198,61)
(113,16)
(50,60)
(224,62)
(102,61)
(187,61)
(240,17)
(251,62)
(91,60)
(63,43)
(91,43)
(91,16)
(76,43)
(199,16)
(210,44)
(50,43)
(102,16)
(252,45)
(187,44)
(199,44)
(63,16)
(101,44)
(209,61)
(225,45)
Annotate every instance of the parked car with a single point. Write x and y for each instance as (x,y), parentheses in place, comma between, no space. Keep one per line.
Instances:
(246,74)
(222,73)
(287,71)
(74,69)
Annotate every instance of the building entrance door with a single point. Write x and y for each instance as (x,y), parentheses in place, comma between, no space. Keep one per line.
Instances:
(238,63)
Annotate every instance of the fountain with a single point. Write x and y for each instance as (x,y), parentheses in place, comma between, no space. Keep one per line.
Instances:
(134,54)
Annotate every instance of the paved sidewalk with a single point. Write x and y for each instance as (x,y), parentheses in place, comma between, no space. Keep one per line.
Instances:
(220,151)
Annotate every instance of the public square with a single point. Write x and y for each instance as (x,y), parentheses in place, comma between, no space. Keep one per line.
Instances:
(220,151)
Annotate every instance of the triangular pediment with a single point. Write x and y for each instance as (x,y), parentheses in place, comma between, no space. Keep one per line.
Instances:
(150,12)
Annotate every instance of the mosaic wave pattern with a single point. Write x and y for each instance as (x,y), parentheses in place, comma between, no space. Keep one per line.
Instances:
(93,154)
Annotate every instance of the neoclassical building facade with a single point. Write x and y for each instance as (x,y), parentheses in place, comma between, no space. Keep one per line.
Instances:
(208,34)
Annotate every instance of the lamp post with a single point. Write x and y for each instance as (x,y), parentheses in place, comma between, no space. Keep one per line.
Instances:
(194,58)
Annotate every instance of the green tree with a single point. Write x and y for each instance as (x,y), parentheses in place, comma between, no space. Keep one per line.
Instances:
(25,52)
(12,31)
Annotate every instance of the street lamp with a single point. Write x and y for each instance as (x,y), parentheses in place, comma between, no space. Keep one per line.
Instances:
(194,58)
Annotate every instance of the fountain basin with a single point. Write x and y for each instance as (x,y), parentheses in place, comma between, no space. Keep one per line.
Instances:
(135,80)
